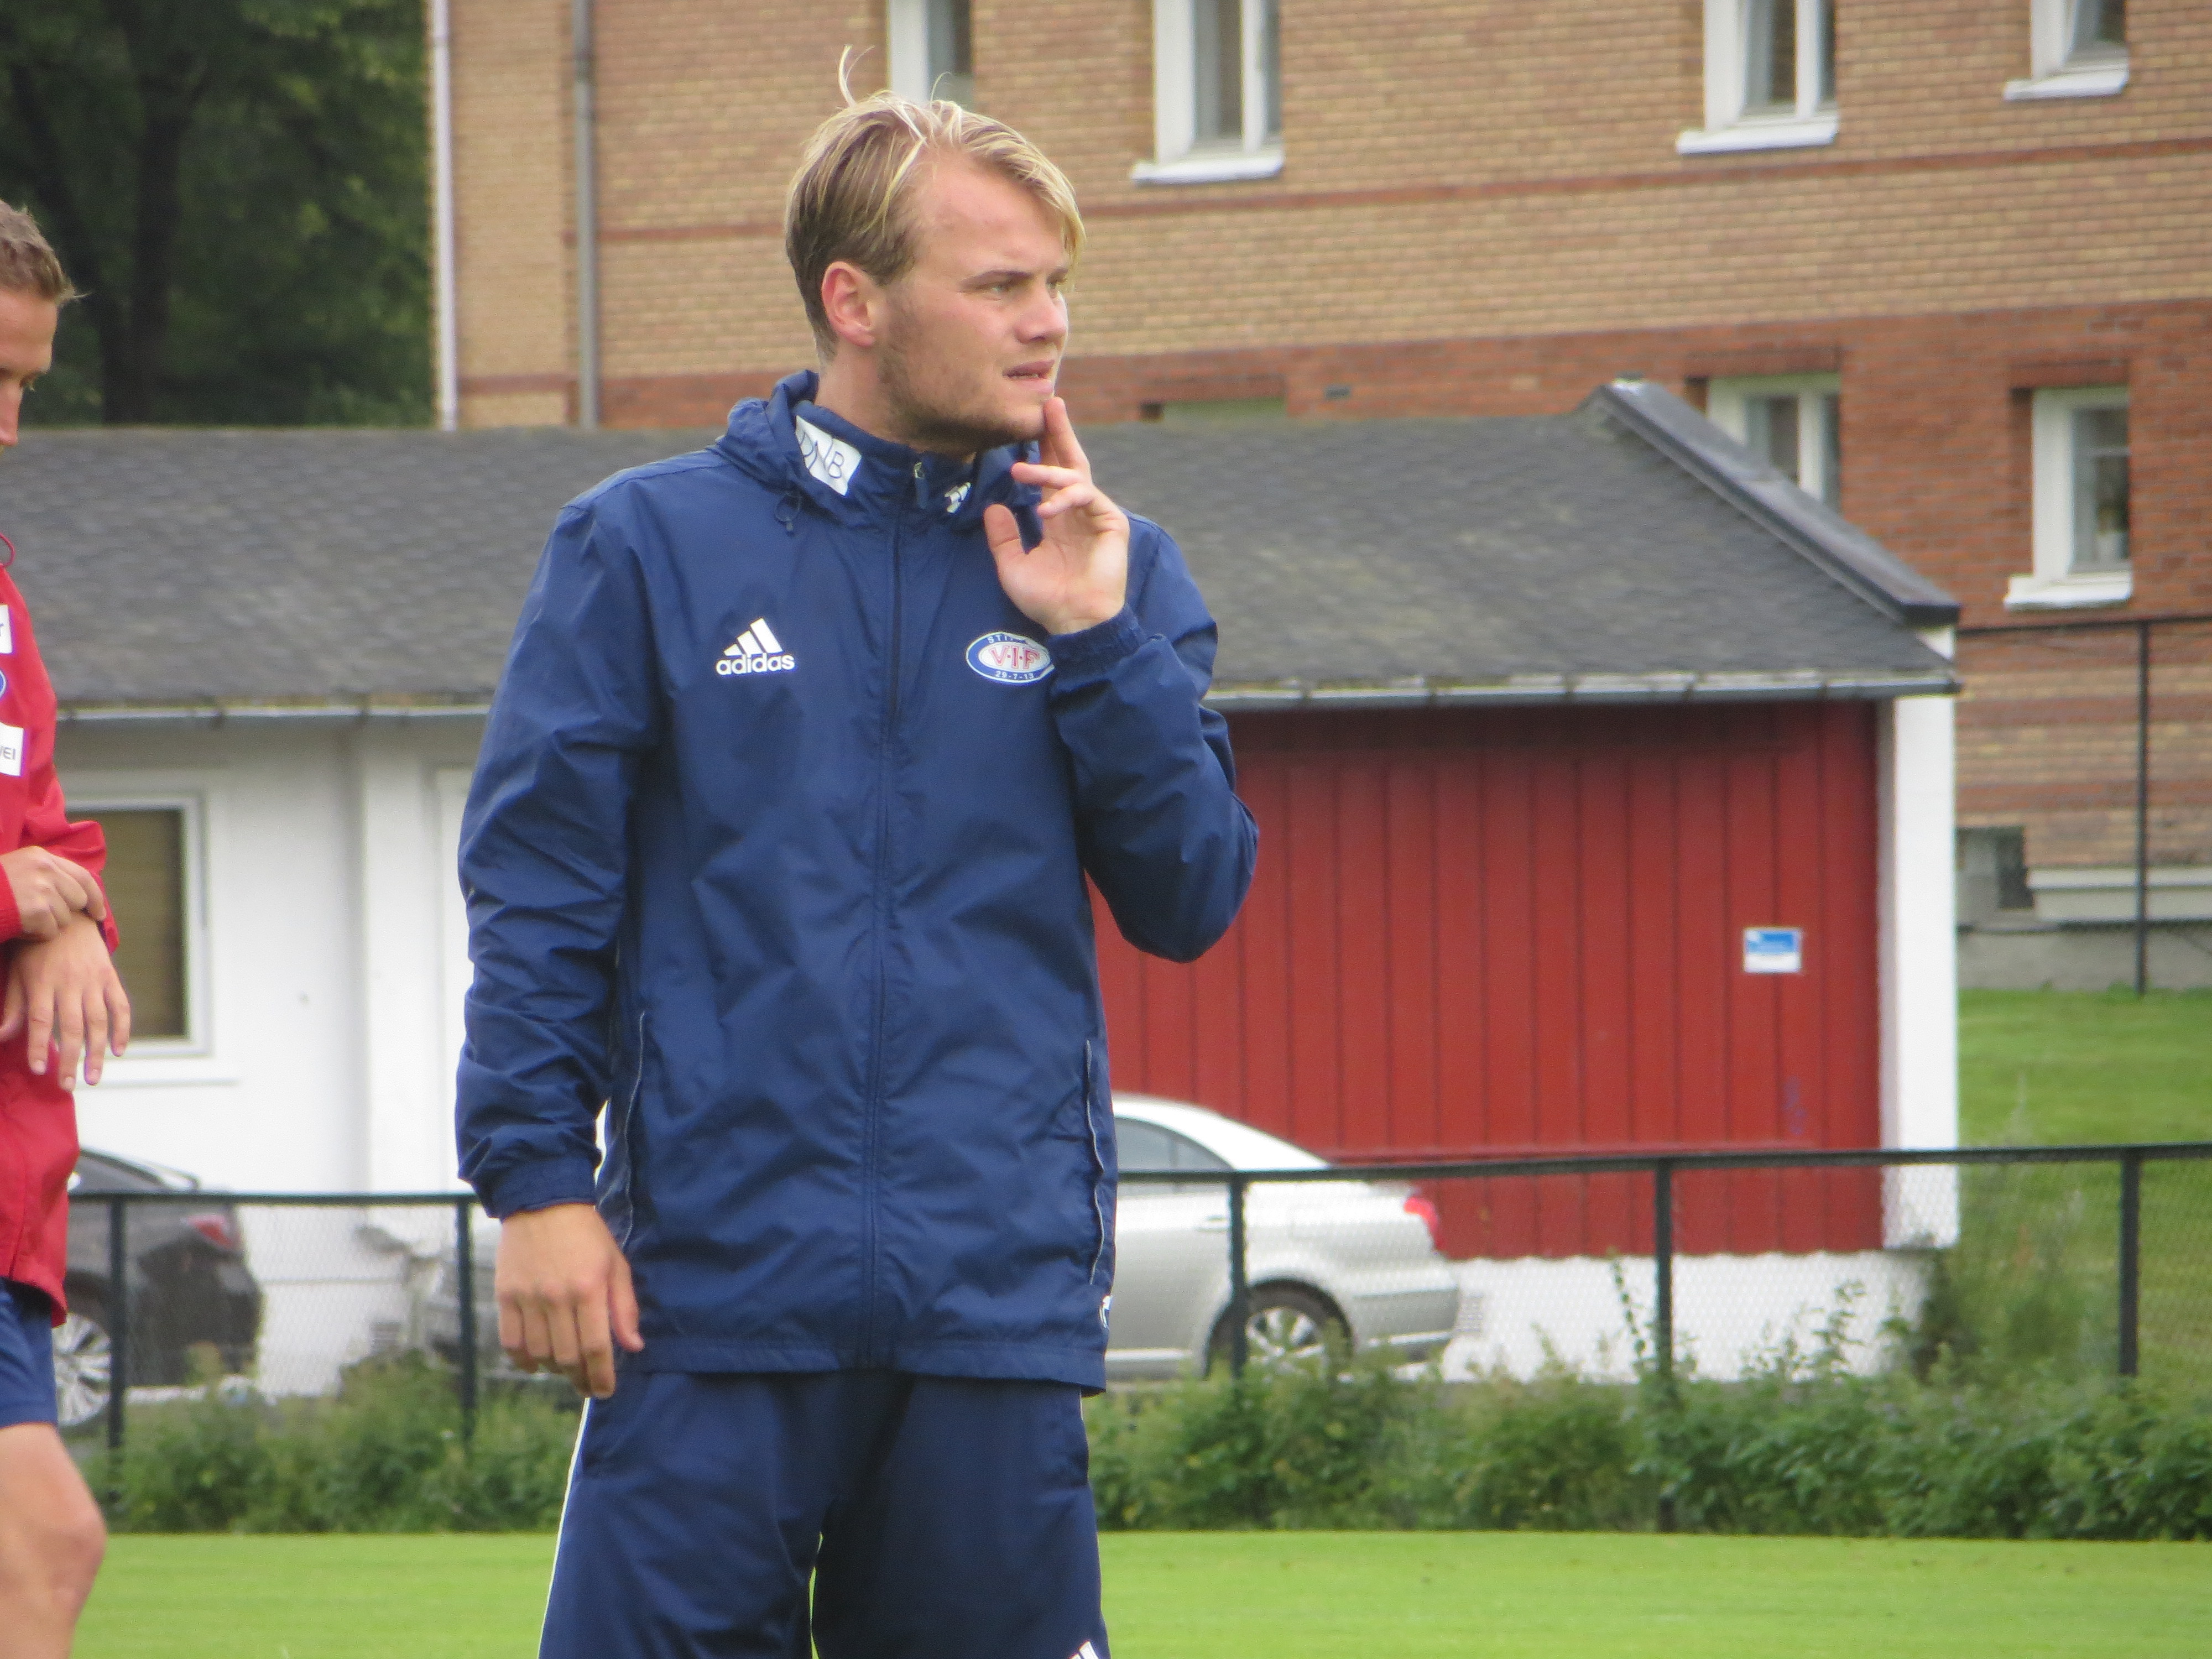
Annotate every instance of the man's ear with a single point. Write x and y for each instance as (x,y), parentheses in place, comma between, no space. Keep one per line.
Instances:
(854,302)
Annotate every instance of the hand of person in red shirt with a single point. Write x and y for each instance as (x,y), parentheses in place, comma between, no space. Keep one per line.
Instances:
(49,889)
(65,994)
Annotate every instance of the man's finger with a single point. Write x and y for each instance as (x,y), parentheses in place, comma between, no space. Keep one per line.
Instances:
(1061,443)
(1048,478)
(510,1333)
(560,1323)
(38,1034)
(118,1016)
(537,1335)
(79,888)
(623,1299)
(595,1348)
(1075,495)
(11,1006)
(96,1032)
(1002,532)
(69,1035)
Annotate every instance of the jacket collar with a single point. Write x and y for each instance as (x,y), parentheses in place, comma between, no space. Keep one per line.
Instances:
(853,477)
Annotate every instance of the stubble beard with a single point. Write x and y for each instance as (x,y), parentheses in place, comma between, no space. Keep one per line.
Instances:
(929,422)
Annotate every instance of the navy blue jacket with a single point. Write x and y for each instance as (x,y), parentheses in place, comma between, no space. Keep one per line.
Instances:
(776,850)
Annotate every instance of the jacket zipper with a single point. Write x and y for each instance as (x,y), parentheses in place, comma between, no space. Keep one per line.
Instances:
(870,1153)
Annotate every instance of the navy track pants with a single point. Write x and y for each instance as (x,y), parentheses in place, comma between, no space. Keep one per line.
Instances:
(938,1518)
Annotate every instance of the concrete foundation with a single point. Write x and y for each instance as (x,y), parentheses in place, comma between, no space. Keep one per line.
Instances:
(2083,956)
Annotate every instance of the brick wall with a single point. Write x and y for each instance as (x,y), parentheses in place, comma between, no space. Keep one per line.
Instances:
(1481,210)
(1455,169)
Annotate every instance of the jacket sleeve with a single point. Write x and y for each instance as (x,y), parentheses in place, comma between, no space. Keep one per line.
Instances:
(544,853)
(47,823)
(1163,835)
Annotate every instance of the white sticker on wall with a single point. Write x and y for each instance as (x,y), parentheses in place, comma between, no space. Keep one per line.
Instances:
(12,750)
(1773,950)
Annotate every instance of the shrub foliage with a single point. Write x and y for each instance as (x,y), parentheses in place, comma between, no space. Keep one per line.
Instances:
(1803,1446)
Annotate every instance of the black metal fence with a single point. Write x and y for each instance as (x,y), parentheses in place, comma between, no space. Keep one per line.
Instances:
(2093,1259)
(2014,1256)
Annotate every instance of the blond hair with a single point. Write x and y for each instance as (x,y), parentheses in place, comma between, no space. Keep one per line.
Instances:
(28,264)
(851,199)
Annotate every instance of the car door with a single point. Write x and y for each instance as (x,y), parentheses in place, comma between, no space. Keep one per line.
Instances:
(1170,1244)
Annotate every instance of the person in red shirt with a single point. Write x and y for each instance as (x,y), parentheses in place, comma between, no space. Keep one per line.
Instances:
(64,1008)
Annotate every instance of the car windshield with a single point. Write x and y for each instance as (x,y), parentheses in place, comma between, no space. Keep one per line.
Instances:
(1144,1148)
(95,1174)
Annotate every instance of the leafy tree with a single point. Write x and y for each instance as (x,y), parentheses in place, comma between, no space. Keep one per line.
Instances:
(238,186)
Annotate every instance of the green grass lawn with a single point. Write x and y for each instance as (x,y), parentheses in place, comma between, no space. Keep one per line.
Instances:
(1265,1595)
(2074,1066)
(2078,1067)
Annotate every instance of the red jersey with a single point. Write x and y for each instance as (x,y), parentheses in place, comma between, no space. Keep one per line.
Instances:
(38,1117)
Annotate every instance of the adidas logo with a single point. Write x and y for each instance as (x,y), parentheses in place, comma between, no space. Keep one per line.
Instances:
(757,650)
(1086,1651)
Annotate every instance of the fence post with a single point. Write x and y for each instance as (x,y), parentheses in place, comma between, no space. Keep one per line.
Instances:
(464,1277)
(1663,1269)
(2143,808)
(2131,1168)
(118,1316)
(1240,1292)
(1662,1301)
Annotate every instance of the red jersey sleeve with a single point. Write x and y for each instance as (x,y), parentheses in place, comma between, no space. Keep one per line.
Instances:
(30,791)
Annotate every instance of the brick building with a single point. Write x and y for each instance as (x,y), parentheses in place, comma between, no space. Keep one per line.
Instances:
(1946,263)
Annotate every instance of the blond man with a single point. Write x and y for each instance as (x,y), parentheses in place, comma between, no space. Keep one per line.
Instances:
(776,859)
(64,1008)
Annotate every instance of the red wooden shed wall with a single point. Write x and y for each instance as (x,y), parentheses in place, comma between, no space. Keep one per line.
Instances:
(1522,929)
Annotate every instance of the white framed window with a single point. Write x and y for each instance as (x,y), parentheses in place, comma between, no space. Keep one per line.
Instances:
(1217,92)
(154,877)
(1770,76)
(2081,501)
(2077,49)
(932,47)
(1792,421)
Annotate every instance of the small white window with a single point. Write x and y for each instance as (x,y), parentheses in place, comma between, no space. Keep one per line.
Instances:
(1790,421)
(2077,48)
(152,877)
(2082,505)
(1770,75)
(932,50)
(1217,92)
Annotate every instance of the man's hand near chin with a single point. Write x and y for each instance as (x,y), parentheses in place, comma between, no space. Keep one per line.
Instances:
(65,996)
(565,1297)
(1078,576)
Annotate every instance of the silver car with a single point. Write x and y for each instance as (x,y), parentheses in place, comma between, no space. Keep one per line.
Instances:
(1325,1260)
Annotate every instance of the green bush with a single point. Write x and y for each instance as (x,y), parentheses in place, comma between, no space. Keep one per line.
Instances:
(1803,1446)
(385,1455)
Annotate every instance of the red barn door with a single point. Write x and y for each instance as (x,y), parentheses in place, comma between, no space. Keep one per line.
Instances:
(1522,929)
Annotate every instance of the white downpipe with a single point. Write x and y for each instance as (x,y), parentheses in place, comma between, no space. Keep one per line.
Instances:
(588,222)
(442,144)
(1919,959)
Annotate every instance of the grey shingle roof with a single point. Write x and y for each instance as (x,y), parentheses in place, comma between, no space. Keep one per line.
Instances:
(1623,551)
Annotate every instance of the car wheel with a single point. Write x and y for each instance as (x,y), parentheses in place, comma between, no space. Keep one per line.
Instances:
(1288,1325)
(84,1364)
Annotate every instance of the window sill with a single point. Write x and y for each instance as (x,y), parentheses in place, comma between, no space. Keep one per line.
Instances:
(1221,166)
(2095,81)
(1761,132)
(2070,592)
